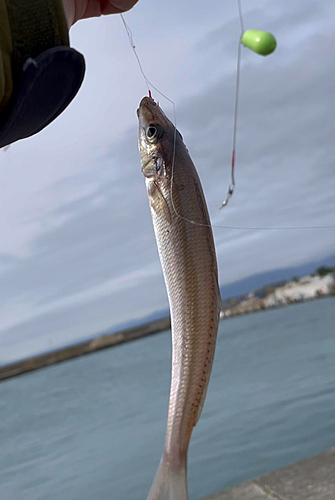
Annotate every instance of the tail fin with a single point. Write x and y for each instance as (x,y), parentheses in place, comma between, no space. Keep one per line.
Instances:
(169,484)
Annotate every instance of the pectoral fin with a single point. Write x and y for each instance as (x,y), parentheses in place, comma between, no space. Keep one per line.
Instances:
(158,203)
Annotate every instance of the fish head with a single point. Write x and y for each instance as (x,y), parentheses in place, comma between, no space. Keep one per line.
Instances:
(157,140)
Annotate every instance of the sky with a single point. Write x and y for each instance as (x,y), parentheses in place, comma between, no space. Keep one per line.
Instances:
(77,249)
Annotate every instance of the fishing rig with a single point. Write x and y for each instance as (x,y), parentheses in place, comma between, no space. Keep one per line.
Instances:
(262,43)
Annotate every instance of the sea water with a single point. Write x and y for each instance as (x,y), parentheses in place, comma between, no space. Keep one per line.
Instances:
(93,427)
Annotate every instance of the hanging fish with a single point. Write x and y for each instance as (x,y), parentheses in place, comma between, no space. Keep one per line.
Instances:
(187,253)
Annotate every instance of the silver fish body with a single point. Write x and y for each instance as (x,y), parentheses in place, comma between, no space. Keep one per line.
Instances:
(187,254)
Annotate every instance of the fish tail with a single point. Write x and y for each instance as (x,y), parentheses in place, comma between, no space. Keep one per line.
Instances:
(169,483)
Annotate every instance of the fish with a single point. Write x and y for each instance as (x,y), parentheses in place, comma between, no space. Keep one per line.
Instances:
(187,254)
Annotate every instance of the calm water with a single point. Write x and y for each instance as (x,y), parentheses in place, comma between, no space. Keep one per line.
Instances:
(93,428)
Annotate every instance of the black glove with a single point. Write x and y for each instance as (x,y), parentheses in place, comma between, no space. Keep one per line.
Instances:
(46,72)
(49,83)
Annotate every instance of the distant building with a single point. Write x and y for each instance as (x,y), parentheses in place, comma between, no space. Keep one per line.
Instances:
(298,290)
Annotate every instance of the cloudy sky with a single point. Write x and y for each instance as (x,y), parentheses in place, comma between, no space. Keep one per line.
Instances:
(77,250)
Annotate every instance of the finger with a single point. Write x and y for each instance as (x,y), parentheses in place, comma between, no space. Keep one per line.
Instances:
(122,5)
(106,7)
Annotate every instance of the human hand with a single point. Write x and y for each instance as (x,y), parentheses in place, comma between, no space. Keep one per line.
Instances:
(82,9)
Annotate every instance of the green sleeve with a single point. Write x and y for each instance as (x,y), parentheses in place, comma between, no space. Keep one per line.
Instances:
(27,28)
(6,81)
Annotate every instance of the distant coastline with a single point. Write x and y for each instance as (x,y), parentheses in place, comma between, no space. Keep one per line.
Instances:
(299,289)
(309,287)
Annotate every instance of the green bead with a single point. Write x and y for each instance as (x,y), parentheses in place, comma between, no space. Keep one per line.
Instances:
(261,42)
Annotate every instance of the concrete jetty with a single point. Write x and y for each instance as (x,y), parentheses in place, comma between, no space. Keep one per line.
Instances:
(82,348)
(309,479)
(112,339)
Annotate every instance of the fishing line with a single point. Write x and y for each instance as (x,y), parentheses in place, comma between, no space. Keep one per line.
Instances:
(147,81)
(232,185)
(149,84)
(237,95)
(293,228)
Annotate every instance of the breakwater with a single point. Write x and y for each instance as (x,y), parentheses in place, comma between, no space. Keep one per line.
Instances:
(304,289)
(82,348)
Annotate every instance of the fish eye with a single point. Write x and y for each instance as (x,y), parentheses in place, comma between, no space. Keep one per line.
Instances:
(153,132)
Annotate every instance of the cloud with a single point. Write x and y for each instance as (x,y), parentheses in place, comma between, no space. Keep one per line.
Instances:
(78,254)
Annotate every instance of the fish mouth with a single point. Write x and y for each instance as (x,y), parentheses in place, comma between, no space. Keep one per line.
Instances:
(145,102)
(149,112)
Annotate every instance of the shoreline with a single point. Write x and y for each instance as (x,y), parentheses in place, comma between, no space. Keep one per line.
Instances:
(83,348)
(244,308)
(295,291)
(105,341)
